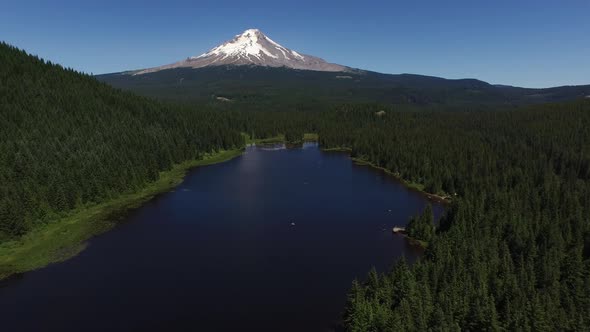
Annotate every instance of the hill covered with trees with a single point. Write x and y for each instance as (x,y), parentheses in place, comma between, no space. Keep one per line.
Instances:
(255,87)
(67,140)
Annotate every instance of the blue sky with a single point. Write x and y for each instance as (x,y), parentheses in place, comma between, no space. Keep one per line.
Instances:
(525,43)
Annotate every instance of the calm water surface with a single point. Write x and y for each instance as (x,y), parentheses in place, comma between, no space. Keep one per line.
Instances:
(220,253)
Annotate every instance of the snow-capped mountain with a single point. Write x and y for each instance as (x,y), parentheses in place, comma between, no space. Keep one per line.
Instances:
(252,47)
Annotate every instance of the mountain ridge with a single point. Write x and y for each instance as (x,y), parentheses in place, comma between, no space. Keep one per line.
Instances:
(281,87)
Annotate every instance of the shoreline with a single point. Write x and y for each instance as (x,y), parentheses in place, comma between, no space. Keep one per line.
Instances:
(66,237)
(401,231)
(410,185)
(337,149)
(307,137)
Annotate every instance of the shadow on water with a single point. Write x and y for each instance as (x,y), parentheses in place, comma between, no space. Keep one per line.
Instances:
(12,280)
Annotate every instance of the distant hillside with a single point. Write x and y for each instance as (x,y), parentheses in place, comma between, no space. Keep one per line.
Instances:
(258,85)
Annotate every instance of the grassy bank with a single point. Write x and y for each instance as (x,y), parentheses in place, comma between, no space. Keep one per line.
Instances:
(268,140)
(64,238)
(310,137)
(417,243)
(307,137)
(337,149)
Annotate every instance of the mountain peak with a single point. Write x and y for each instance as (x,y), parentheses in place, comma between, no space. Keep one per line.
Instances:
(252,47)
(251,31)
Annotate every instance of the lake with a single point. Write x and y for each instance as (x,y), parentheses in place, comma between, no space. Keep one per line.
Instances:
(269,241)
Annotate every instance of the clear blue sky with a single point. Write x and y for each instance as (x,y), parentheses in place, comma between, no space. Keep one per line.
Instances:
(519,42)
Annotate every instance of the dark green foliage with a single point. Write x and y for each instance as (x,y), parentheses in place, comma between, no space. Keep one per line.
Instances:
(512,251)
(293,136)
(422,226)
(67,140)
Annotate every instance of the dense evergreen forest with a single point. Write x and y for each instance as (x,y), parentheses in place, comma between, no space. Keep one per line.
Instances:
(67,140)
(511,253)
(513,250)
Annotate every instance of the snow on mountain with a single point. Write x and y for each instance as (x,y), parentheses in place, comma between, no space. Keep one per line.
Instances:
(252,47)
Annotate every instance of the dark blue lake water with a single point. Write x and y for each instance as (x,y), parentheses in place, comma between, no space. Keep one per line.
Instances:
(269,241)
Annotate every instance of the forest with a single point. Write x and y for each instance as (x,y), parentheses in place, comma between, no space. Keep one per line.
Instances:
(67,140)
(512,251)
